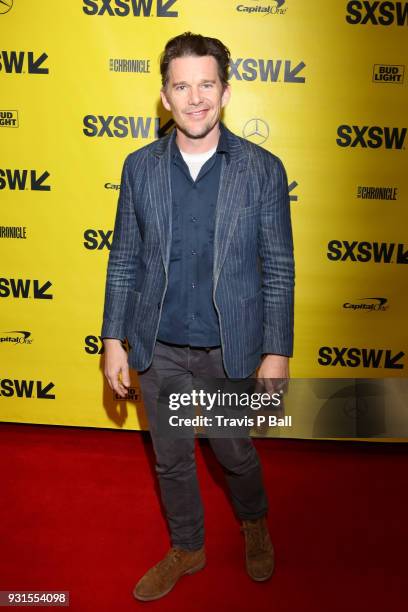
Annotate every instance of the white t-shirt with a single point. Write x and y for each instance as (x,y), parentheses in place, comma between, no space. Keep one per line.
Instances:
(195,161)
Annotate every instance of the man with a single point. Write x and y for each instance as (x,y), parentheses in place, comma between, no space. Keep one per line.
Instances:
(200,280)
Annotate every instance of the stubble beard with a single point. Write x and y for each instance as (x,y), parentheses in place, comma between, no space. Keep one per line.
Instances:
(204,131)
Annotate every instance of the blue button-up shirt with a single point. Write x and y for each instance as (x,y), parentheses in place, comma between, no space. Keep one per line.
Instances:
(188,314)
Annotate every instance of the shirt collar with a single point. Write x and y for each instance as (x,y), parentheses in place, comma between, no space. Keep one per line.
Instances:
(223,146)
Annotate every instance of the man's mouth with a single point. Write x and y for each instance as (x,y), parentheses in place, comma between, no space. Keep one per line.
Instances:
(198,114)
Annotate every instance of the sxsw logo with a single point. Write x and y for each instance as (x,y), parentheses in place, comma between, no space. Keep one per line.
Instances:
(137,8)
(378,252)
(373,137)
(94,345)
(386,73)
(120,126)
(293,197)
(26,388)
(9,118)
(353,357)
(25,288)
(24,179)
(266,70)
(23,62)
(377,13)
(97,239)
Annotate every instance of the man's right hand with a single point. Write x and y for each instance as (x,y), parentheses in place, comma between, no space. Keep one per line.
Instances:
(116,366)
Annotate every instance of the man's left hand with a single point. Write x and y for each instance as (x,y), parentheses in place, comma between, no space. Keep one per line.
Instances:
(274,372)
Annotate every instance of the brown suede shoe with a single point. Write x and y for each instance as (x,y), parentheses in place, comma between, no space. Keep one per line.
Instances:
(259,553)
(162,577)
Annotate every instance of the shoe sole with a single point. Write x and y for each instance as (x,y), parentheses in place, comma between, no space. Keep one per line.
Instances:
(192,570)
(260,579)
(256,578)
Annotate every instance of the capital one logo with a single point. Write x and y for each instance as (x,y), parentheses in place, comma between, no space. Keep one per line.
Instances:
(377,13)
(270,9)
(256,130)
(123,8)
(372,137)
(368,304)
(16,336)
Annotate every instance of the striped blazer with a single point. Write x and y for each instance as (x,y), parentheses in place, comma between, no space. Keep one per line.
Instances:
(253,271)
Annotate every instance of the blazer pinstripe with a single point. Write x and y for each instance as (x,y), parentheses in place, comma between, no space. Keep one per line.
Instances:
(253,272)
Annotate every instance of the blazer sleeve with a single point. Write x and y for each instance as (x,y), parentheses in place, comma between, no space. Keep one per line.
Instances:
(121,268)
(278,269)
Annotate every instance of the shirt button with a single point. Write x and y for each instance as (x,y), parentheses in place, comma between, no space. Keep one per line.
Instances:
(193,252)
(193,219)
(193,285)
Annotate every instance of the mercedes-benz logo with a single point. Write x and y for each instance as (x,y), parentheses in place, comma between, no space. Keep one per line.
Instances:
(5,6)
(256,130)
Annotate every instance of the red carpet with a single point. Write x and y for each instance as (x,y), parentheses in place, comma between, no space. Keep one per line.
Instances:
(79,512)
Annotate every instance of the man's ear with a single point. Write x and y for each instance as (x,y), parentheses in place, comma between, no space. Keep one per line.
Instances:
(164,100)
(226,95)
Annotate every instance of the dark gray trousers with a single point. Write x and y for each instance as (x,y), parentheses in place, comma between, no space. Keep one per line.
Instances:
(175,458)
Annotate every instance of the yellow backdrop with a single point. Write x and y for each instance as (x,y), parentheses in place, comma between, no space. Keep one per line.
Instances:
(322,85)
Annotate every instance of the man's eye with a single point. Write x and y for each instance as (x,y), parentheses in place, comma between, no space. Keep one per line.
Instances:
(180,87)
(207,85)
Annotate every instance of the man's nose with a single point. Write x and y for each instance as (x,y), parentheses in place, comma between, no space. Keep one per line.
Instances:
(195,96)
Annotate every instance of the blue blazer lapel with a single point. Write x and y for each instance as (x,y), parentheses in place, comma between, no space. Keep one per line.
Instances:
(231,196)
(159,185)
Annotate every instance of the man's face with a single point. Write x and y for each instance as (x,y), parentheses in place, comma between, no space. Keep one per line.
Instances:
(194,94)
